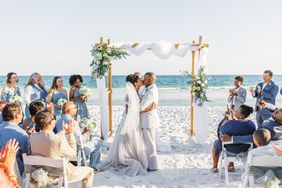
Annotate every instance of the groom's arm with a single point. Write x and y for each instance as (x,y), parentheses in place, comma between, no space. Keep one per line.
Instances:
(147,101)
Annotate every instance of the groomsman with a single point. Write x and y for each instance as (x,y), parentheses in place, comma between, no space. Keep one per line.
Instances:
(237,96)
(266,91)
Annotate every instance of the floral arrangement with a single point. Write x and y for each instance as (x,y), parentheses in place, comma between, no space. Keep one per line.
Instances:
(199,84)
(16,98)
(41,179)
(85,91)
(61,102)
(87,124)
(102,55)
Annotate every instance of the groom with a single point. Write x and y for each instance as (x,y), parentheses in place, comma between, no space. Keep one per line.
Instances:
(149,119)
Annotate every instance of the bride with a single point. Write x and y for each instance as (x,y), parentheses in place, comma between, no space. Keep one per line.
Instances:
(127,152)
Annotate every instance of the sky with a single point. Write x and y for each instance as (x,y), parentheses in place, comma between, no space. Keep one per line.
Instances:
(54,37)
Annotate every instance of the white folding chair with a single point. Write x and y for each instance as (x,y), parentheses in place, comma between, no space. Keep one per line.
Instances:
(259,161)
(59,164)
(81,153)
(224,160)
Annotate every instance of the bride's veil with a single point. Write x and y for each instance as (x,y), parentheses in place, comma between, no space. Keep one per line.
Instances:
(132,120)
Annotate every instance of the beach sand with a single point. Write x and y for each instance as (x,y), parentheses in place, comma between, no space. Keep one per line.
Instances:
(188,163)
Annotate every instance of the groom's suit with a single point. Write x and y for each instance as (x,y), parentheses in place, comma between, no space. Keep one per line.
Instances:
(149,123)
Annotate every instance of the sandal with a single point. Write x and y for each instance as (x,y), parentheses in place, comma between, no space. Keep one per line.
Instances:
(214,170)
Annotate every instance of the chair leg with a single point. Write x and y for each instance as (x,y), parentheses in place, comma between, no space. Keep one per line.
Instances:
(226,171)
(220,166)
(252,181)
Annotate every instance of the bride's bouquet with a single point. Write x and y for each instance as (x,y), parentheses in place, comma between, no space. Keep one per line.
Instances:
(88,124)
(16,98)
(85,91)
(61,102)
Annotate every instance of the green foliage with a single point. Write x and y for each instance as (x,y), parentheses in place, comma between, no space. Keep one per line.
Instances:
(102,55)
(200,85)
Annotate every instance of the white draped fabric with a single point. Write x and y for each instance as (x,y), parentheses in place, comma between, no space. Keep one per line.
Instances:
(161,49)
(101,85)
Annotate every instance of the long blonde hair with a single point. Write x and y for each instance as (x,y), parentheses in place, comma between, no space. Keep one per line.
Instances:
(31,79)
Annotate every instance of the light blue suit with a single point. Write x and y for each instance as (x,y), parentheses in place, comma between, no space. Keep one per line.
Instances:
(268,94)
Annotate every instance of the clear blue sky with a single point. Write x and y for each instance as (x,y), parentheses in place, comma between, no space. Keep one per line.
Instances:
(54,37)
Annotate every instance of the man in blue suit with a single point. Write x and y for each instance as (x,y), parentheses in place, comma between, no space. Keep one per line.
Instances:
(266,91)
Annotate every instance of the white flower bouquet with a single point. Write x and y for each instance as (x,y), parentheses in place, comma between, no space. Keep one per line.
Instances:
(200,85)
(16,98)
(61,102)
(85,91)
(88,124)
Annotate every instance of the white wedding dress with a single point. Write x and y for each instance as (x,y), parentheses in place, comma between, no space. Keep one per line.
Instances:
(127,152)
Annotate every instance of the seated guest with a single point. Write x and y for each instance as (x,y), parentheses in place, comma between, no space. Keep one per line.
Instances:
(34,108)
(8,176)
(92,147)
(238,126)
(262,141)
(2,105)
(61,145)
(237,95)
(273,124)
(10,129)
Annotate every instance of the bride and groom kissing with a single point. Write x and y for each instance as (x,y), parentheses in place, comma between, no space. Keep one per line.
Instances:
(133,150)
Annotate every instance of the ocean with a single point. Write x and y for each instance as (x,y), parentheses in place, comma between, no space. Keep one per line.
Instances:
(173,89)
(163,81)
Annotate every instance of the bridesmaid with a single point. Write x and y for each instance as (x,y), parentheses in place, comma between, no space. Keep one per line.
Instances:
(78,99)
(56,93)
(11,89)
(35,90)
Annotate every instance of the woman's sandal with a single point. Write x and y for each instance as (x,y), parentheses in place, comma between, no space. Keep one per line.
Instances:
(214,170)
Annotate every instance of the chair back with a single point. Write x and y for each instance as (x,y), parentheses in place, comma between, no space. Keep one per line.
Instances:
(59,164)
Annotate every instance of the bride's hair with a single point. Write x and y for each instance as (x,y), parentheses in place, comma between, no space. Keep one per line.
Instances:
(132,78)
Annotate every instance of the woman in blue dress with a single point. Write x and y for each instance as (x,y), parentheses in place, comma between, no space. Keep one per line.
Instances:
(11,90)
(35,90)
(56,93)
(78,99)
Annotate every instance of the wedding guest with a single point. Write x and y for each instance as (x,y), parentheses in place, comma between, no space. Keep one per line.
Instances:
(237,95)
(92,145)
(34,108)
(35,90)
(267,91)
(78,99)
(61,145)
(239,125)
(11,89)
(273,124)
(56,93)
(10,129)
(8,176)
(2,105)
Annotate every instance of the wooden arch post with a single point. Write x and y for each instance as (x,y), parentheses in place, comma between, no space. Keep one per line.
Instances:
(199,44)
(109,90)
